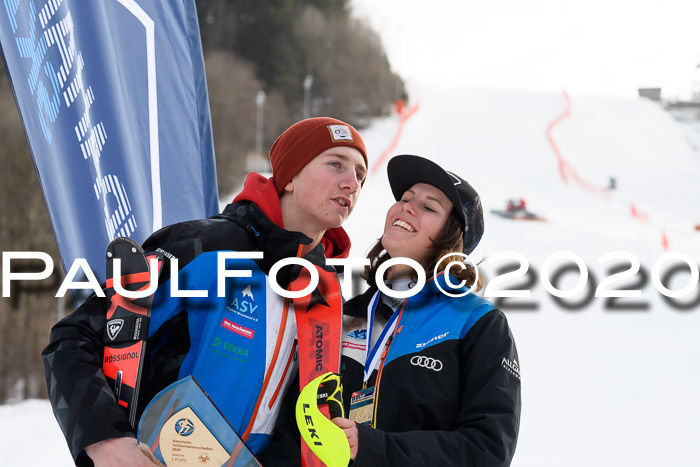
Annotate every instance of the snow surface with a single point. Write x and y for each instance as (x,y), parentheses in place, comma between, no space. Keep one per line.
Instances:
(600,387)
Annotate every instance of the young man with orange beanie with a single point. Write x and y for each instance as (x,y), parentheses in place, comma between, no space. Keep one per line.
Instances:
(318,167)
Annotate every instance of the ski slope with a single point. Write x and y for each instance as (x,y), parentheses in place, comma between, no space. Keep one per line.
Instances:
(601,386)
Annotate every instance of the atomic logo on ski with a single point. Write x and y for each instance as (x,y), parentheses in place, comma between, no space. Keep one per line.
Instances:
(113,328)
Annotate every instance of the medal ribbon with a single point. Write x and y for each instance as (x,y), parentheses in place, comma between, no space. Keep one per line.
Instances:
(373,354)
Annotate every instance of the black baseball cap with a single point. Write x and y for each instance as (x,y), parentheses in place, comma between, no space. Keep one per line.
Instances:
(406,170)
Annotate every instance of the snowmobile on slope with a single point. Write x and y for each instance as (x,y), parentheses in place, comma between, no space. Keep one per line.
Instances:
(517,210)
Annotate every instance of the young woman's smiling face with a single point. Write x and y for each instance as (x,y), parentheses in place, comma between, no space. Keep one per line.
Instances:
(414,221)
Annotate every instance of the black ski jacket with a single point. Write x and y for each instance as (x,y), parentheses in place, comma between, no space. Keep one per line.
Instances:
(447,391)
(82,400)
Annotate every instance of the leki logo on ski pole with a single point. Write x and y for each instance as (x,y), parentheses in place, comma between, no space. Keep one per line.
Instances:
(113,328)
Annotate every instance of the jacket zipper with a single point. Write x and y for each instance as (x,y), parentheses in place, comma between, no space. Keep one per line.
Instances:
(284,375)
(268,374)
(381,365)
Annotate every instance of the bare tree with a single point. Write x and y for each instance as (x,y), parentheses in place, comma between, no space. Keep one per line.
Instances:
(26,317)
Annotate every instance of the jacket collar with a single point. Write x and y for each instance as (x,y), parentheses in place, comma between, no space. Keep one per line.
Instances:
(430,290)
(275,242)
(262,192)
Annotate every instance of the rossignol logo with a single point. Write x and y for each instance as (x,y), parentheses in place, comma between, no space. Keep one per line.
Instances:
(113,328)
(121,357)
(511,366)
(340,132)
(427,362)
(184,427)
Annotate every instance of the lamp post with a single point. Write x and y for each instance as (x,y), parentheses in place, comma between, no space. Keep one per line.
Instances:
(260,103)
(308,81)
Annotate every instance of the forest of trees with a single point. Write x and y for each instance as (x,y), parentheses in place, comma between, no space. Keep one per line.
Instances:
(249,46)
(273,46)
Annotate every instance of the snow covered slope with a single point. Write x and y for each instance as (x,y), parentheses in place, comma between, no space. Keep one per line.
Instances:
(601,386)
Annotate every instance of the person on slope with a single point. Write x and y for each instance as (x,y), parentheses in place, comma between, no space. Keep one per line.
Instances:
(318,166)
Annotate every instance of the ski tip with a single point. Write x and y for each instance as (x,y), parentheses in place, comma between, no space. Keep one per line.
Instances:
(122,246)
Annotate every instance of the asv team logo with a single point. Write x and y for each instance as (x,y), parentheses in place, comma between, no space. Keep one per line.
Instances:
(184,427)
(113,328)
(248,292)
(427,362)
(359,334)
(244,305)
(340,132)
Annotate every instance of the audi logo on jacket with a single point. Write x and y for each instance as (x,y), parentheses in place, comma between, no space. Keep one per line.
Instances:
(448,391)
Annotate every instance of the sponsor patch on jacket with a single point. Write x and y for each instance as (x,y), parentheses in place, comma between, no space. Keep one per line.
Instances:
(511,366)
(244,305)
(436,338)
(359,334)
(237,328)
(354,346)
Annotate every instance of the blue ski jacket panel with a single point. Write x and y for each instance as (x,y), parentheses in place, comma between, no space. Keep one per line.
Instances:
(226,343)
(447,393)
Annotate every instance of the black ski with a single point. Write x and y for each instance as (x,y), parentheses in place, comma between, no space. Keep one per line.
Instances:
(127,322)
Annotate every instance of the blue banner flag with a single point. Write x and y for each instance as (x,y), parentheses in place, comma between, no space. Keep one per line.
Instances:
(112,95)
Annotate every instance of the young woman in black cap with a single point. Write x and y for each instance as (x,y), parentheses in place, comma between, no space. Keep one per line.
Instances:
(432,379)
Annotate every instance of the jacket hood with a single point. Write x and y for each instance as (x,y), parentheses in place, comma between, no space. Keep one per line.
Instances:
(262,192)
